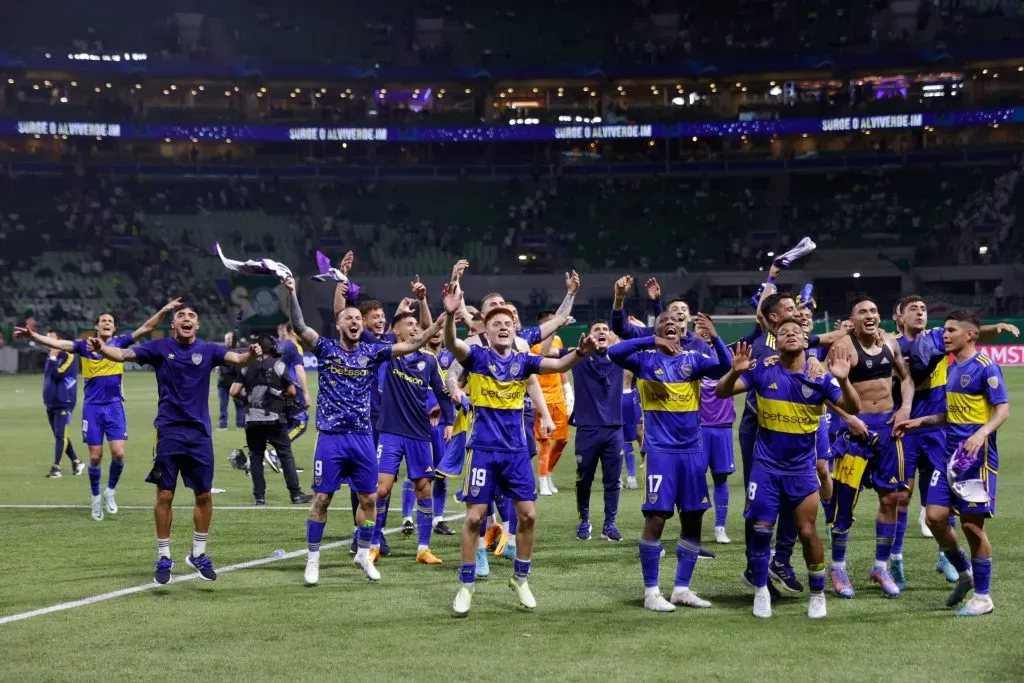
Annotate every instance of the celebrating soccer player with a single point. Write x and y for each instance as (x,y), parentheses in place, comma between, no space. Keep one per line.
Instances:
(184,436)
(344,448)
(103,411)
(499,462)
(669,384)
(60,394)
(783,479)
(966,473)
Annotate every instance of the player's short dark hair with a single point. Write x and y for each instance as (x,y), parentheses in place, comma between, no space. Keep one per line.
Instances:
(680,300)
(545,314)
(367,306)
(491,296)
(498,310)
(599,321)
(182,307)
(790,319)
(861,299)
(772,301)
(907,300)
(962,315)
(403,316)
(103,313)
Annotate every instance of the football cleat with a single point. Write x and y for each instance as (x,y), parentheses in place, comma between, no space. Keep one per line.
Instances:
(631,483)
(463,601)
(611,533)
(551,484)
(364,562)
(203,567)
(898,573)
(312,574)
(705,554)
(544,489)
(259,501)
(976,606)
(302,499)
(427,557)
(946,568)
(523,592)
(385,548)
(97,508)
(762,603)
(922,520)
(883,578)
(109,501)
(583,531)
(786,577)
(79,467)
(721,537)
(656,602)
(841,582)
(483,566)
(163,570)
(964,585)
(442,529)
(816,606)
(54,472)
(686,597)
(408,528)
(493,536)
(374,554)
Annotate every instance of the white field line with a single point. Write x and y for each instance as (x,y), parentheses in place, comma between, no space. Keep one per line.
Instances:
(61,607)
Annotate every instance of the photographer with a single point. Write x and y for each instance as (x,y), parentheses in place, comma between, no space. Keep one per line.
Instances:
(267,391)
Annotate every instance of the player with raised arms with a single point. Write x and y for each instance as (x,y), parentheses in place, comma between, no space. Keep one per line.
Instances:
(783,479)
(668,379)
(499,462)
(184,436)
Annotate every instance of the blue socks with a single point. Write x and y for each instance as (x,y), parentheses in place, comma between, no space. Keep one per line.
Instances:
(314,534)
(364,536)
(408,499)
(839,539)
(520,569)
(467,574)
(721,502)
(114,476)
(382,519)
(95,472)
(982,574)
(650,555)
(958,558)
(686,560)
(630,456)
(760,545)
(440,493)
(424,521)
(816,578)
(885,536)
(611,504)
(901,531)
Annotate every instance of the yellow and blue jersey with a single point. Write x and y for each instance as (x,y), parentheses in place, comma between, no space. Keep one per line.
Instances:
(926,356)
(60,382)
(102,376)
(973,390)
(497,388)
(669,389)
(790,406)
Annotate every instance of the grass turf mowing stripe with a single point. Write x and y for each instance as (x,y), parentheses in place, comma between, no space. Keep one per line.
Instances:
(61,607)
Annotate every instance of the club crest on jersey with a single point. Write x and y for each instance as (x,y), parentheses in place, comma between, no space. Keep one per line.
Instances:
(362,361)
(806,391)
(197,358)
(474,491)
(579,459)
(422,364)
(965,380)
(869,363)
(652,498)
(686,371)
(516,367)
(993,382)
(317,481)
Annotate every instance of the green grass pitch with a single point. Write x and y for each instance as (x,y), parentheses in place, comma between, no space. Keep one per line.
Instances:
(261,623)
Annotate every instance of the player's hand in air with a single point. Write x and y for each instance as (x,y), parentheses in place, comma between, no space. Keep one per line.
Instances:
(587,344)
(452,297)
(419,290)
(458,269)
(704,323)
(742,357)
(94,344)
(22,332)
(406,305)
(289,284)
(1007,327)
(653,289)
(623,285)
(346,263)
(572,281)
(838,361)
(667,346)
(636,322)
(171,305)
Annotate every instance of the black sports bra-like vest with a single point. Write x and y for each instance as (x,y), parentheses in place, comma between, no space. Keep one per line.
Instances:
(879,366)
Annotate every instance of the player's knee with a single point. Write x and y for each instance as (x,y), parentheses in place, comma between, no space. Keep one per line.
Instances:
(527,518)
(164,496)
(936,517)
(474,518)
(205,498)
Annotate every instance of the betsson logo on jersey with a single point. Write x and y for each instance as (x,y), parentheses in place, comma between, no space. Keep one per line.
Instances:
(1006,355)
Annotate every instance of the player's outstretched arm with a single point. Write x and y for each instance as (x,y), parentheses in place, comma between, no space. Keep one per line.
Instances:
(151,324)
(572,285)
(741,360)
(52,342)
(618,353)
(452,298)
(990,332)
(419,290)
(305,333)
(341,290)
(96,345)
(550,366)
(241,360)
(420,340)
(617,321)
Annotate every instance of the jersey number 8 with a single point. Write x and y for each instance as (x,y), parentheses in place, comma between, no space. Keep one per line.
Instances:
(751,491)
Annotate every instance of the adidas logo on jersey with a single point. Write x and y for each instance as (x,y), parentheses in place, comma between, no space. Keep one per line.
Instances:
(892,480)
(773,386)
(705,500)
(885,361)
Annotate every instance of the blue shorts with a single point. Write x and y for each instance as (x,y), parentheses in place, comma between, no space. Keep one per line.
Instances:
(770,494)
(349,458)
(187,450)
(531,440)
(718,448)
(940,493)
(437,444)
(924,449)
(454,457)
(822,442)
(631,415)
(489,473)
(105,420)
(419,460)
(676,479)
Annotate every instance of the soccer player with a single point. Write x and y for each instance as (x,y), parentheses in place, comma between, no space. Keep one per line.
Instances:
(966,472)
(499,462)
(783,479)
(598,418)
(679,309)
(717,416)
(184,436)
(344,447)
(405,432)
(60,394)
(103,410)
(558,394)
(875,360)
(668,380)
